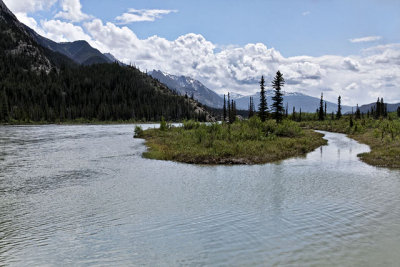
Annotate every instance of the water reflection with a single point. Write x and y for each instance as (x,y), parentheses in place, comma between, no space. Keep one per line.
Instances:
(82,195)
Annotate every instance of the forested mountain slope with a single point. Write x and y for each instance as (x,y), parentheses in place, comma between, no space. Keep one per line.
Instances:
(37,84)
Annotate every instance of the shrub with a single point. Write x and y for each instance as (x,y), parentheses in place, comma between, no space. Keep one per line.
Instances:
(288,129)
(138,131)
(190,124)
(164,125)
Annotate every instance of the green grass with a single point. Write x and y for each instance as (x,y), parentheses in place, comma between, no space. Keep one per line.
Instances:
(382,135)
(245,142)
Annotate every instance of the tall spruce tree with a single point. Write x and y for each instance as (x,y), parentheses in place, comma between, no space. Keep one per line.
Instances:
(251,108)
(325,110)
(321,116)
(224,115)
(229,108)
(398,112)
(358,113)
(277,99)
(339,111)
(263,106)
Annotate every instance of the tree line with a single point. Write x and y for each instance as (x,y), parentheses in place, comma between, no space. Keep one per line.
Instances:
(104,92)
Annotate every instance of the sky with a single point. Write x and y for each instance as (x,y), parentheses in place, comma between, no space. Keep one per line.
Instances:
(349,48)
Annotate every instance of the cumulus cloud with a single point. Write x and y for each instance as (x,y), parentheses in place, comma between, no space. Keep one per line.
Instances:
(365,39)
(72,11)
(136,15)
(28,6)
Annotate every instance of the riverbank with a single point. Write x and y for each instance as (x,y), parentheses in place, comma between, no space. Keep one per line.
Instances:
(76,122)
(382,136)
(245,142)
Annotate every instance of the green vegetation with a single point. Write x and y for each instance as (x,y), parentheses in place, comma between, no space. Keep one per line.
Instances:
(382,135)
(242,142)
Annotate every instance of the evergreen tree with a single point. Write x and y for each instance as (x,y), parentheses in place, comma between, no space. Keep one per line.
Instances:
(224,115)
(398,112)
(294,113)
(325,110)
(358,113)
(378,109)
(300,115)
(251,108)
(3,106)
(263,107)
(321,116)
(277,99)
(229,108)
(339,111)
(232,112)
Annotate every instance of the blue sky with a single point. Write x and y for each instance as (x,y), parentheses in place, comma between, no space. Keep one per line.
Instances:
(322,45)
(294,27)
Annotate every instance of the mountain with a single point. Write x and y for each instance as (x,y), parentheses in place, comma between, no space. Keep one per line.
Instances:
(367,107)
(39,84)
(298,100)
(186,85)
(79,51)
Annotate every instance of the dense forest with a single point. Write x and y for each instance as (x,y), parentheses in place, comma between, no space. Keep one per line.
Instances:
(104,92)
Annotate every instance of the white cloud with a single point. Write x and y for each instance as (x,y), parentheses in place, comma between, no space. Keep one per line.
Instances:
(306,13)
(365,39)
(72,11)
(28,6)
(60,31)
(136,15)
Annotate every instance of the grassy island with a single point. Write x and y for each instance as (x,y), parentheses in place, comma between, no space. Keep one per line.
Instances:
(242,142)
(382,135)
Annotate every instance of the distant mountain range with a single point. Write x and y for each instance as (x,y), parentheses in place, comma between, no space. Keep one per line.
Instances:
(298,100)
(186,85)
(390,107)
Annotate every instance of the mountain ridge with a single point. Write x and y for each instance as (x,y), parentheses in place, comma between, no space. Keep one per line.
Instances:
(187,85)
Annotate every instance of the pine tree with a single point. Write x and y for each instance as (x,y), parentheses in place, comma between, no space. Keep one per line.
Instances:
(232,112)
(277,99)
(398,112)
(251,108)
(294,113)
(339,111)
(321,109)
(229,108)
(300,115)
(3,106)
(263,107)
(224,109)
(358,113)
(325,110)
(378,109)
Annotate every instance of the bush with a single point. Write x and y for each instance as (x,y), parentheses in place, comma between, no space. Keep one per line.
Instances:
(288,129)
(164,125)
(138,131)
(190,124)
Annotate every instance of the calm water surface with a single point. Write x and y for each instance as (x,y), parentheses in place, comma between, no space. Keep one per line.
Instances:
(83,196)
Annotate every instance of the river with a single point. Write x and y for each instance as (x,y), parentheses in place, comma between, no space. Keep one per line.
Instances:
(84,196)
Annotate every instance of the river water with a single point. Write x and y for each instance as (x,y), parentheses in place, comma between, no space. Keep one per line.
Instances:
(84,196)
